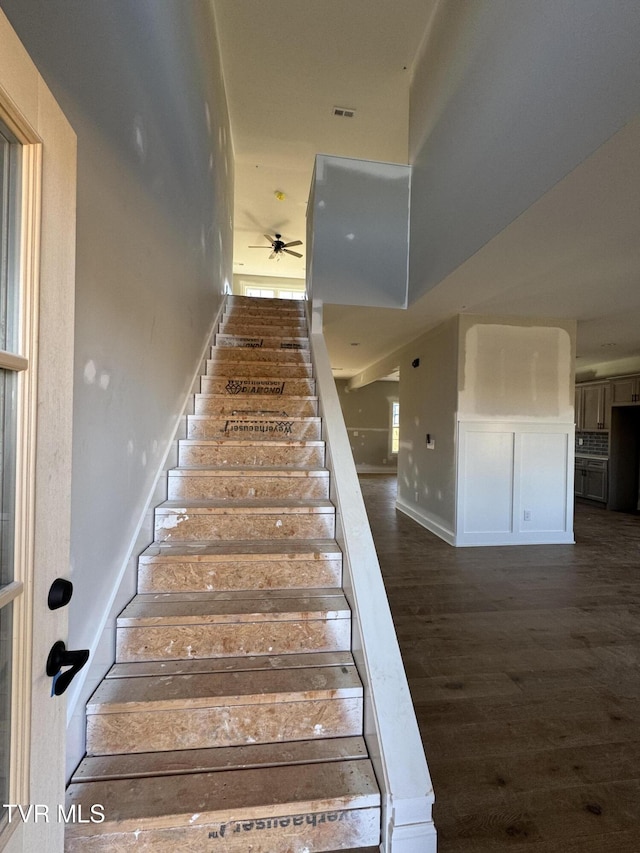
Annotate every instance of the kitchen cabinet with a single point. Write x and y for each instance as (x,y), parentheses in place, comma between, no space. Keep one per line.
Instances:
(591,479)
(593,406)
(626,389)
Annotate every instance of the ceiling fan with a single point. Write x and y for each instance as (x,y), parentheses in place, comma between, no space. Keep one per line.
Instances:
(278,246)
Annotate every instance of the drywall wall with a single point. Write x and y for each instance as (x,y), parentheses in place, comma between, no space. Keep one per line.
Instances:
(357,232)
(367,416)
(518,369)
(141,84)
(527,91)
(428,400)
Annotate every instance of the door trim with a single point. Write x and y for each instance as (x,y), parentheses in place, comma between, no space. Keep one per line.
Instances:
(43,474)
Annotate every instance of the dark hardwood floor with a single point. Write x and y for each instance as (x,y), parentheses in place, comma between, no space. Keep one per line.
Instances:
(524,667)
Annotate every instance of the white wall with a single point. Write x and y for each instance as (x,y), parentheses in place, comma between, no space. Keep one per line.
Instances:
(516,369)
(357,232)
(428,401)
(142,87)
(508,97)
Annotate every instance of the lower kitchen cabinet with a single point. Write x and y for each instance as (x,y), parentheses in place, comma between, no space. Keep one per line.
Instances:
(591,479)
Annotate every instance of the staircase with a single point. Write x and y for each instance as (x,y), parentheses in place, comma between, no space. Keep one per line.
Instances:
(232,719)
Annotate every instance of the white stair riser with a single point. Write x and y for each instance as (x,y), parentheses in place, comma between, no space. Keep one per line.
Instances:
(242,386)
(185,527)
(164,575)
(234,725)
(270,832)
(252,428)
(194,488)
(232,639)
(252,454)
(251,404)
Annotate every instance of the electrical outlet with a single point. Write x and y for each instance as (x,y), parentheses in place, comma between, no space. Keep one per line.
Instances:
(527,515)
(580,442)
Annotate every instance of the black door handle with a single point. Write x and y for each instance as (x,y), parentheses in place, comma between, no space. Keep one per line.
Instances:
(60,656)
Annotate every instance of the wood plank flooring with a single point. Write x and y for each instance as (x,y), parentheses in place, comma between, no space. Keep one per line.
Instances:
(524,666)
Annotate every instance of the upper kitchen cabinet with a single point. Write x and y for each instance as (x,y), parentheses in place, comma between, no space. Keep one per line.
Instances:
(593,406)
(626,389)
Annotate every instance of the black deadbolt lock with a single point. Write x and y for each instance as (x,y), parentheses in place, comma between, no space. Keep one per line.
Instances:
(60,593)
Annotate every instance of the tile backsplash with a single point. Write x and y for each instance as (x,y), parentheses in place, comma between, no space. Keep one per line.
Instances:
(593,443)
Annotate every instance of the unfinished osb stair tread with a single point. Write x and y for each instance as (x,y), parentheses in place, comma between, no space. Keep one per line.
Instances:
(222,405)
(227,521)
(254,482)
(319,549)
(245,507)
(149,728)
(228,795)
(257,326)
(264,810)
(257,428)
(170,567)
(198,607)
(259,354)
(104,767)
(260,327)
(270,341)
(257,417)
(139,669)
(288,444)
(260,386)
(301,370)
(204,452)
(204,690)
(263,311)
(302,472)
(264,315)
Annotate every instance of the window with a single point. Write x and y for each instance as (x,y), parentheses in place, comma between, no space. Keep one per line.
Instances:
(248,289)
(10,363)
(259,291)
(395,426)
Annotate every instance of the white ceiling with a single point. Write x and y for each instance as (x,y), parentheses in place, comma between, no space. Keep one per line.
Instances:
(286,66)
(574,253)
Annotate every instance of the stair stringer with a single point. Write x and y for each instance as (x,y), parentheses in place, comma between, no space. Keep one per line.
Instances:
(390,727)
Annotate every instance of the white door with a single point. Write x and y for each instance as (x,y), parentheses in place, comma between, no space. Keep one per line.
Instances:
(37,250)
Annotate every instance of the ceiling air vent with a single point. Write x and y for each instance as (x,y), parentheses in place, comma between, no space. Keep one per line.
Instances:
(344,112)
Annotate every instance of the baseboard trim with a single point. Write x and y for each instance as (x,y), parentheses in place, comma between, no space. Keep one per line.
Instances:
(427,521)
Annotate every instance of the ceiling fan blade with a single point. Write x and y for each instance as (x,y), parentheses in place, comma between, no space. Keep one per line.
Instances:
(294,243)
(272,255)
(295,254)
(258,247)
(270,239)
